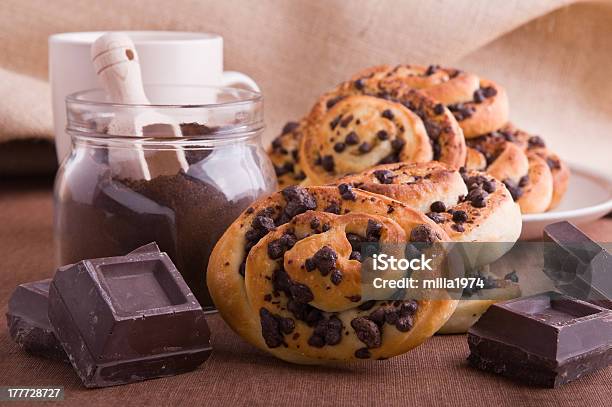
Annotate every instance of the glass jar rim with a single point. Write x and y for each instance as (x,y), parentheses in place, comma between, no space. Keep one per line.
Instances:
(208,112)
(248,96)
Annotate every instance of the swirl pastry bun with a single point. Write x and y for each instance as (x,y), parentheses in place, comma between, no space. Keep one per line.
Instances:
(536,178)
(285,276)
(479,105)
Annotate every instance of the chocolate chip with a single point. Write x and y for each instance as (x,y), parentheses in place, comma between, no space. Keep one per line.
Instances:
(301,293)
(331,102)
(489,91)
(346,121)
(436,217)
(423,233)
(333,334)
(438,108)
(391,316)
(325,260)
(299,200)
(431,69)
(275,249)
(408,308)
(326,227)
(553,163)
(339,147)
(362,353)
(359,84)
(398,144)
(438,206)
(387,114)
(404,324)
(346,192)
(355,255)
(367,332)
(523,181)
(365,147)
(479,96)
(460,216)
(382,135)
(373,231)
(309,265)
(287,325)
(461,111)
(334,123)
(336,277)
(316,341)
(315,223)
(351,139)
(513,188)
(512,276)
(377,316)
(457,227)
(384,176)
(334,208)
(270,329)
(479,202)
(289,127)
(327,162)
(489,186)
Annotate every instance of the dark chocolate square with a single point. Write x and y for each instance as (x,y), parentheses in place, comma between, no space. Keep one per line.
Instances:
(547,339)
(130,318)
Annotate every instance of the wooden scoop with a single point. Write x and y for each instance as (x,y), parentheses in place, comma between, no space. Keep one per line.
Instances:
(115,60)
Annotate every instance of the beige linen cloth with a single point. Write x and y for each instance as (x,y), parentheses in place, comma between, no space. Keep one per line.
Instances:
(553,56)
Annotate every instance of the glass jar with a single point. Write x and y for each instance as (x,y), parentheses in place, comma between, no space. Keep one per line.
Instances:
(116,192)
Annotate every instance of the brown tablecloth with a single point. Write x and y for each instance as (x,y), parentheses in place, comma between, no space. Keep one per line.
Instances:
(236,374)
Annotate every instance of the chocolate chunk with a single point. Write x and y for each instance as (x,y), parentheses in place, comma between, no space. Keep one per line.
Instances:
(460,216)
(512,276)
(309,265)
(362,353)
(355,255)
(351,139)
(278,247)
(327,162)
(367,332)
(438,108)
(546,340)
(346,121)
(126,319)
(431,69)
(333,207)
(373,231)
(346,192)
(28,323)
(457,227)
(535,142)
(423,233)
(553,163)
(398,144)
(270,329)
(384,176)
(333,335)
(489,186)
(359,84)
(315,223)
(339,147)
(299,200)
(334,123)
(404,324)
(387,114)
(301,293)
(325,260)
(382,135)
(378,316)
(523,181)
(336,277)
(332,102)
(436,217)
(365,147)
(438,206)
(513,188)
(479,96)
(289,127)
(316,341)
(408,308)
(281,282)
(461,111)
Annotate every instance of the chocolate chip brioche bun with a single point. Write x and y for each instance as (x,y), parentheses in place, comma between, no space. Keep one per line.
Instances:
(536,177)
(479,105)
(286,276)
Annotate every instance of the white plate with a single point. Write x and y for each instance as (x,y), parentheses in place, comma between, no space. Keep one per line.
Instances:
(588,198)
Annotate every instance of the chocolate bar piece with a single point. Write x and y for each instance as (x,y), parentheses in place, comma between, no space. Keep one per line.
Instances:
(547,339)
(126,319)
(28,323)
(579,266)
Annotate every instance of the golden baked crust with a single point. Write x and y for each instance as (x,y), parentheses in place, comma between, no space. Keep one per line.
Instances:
(258,279)
(488,213)
(479,105)
(536,177)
